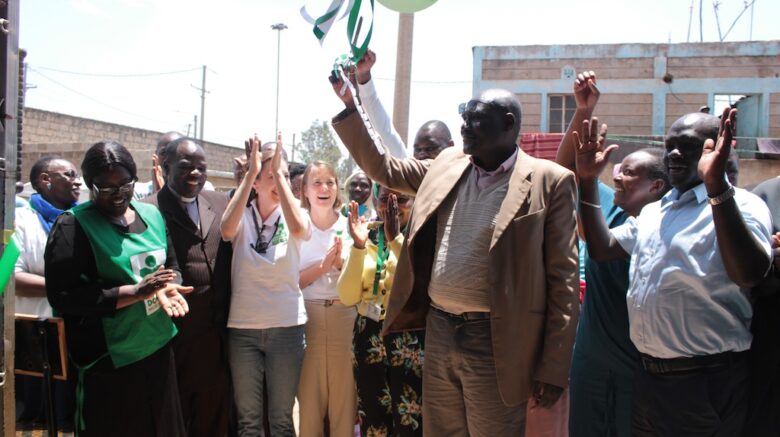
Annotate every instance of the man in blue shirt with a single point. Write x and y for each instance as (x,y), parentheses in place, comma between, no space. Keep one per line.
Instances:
(693,255)
(604,359)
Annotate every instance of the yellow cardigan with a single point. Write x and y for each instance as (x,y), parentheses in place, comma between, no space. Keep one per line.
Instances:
(356,283)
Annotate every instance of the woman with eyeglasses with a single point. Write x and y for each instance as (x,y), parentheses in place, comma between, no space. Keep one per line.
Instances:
(267,313)
(388,371)
(57,183)
(111,272)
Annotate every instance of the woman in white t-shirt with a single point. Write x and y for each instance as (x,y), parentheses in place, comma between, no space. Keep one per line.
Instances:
(327,386)
(267,315)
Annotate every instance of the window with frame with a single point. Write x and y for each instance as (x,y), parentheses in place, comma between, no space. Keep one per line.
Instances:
(560,112)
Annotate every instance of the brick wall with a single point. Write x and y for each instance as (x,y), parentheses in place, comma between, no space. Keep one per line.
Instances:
(51,133)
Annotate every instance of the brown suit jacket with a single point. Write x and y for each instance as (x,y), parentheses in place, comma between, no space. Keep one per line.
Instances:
(533,271)
(204,260)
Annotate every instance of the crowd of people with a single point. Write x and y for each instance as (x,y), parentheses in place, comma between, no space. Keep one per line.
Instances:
(440,297)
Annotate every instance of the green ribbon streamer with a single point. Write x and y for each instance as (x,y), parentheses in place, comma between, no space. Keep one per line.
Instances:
(318,32)
(8,262)
(80,424)
(358,52)
(381,256)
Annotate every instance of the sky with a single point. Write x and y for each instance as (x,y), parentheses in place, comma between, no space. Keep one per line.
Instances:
(119,47)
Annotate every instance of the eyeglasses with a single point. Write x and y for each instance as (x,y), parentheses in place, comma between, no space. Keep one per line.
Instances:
(112,191)
(472,105)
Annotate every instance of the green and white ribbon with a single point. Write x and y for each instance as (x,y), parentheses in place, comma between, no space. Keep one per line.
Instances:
(340,67)
(353,30)
(323,23)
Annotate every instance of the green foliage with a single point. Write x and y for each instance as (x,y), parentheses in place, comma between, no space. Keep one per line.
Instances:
(318,144)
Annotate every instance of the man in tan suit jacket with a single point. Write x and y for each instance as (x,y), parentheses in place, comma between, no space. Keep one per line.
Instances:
(492,342)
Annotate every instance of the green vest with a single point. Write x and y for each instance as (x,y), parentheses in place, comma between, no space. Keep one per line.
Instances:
(138,330)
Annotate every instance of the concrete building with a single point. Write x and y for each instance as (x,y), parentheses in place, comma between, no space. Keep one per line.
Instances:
(52,133)
(645,87)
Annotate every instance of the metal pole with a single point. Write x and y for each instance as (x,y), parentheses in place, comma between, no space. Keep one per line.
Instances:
(9,99)
(195,127)
(701,20)
(279,27)
(202,103)
(293,149)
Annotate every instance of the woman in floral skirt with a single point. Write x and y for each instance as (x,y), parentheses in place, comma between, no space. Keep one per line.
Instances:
(388,372)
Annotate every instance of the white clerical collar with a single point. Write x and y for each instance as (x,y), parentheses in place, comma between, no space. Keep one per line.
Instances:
(182,199)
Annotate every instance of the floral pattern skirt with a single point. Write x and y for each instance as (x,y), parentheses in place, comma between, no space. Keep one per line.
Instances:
(388,374)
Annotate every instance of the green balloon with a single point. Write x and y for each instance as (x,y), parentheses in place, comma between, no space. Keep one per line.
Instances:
(408,6)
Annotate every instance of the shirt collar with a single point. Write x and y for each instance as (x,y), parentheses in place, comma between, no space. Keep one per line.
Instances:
(181,198)
(699,192)
(503,168)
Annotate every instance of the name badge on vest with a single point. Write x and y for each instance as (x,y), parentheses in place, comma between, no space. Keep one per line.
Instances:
(144,264)
(374,312)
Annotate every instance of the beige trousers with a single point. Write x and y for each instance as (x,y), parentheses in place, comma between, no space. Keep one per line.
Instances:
(327,384)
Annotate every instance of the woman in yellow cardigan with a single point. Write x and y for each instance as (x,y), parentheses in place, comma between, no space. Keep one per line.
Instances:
(388,372)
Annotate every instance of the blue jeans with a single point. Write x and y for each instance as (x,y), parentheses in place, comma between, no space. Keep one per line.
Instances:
(273,353)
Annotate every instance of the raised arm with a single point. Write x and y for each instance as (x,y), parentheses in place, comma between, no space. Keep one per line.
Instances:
(404,175)
(380,119)
(293,214)
(586,95)
(744,256)
(591,159)
(231,218)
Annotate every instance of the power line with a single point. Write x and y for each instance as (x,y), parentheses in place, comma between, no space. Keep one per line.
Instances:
(435,82)
(94,99)
(77,73)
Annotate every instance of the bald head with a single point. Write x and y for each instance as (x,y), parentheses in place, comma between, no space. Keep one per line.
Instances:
(432,137)
(491,124)
(507,101)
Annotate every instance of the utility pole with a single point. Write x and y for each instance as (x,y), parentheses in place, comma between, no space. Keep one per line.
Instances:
(203,92)
(278,27)
(293,149)
(195,128)
(202,104)
(701,20)
(403,74)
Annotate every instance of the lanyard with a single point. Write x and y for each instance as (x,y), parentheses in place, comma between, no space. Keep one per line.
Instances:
(381,256)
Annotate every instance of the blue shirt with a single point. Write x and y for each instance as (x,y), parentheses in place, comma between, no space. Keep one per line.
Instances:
(681,301)
(602,332)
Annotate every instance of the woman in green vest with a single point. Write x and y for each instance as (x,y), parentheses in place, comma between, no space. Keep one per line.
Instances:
(112,274)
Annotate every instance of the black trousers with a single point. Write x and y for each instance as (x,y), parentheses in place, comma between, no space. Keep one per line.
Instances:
(709,401)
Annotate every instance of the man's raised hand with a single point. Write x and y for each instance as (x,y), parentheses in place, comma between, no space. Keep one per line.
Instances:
(364,67)
(586,93)
(592,157)
(715,155)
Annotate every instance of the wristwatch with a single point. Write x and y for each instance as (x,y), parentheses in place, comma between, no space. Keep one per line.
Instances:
(722,197)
